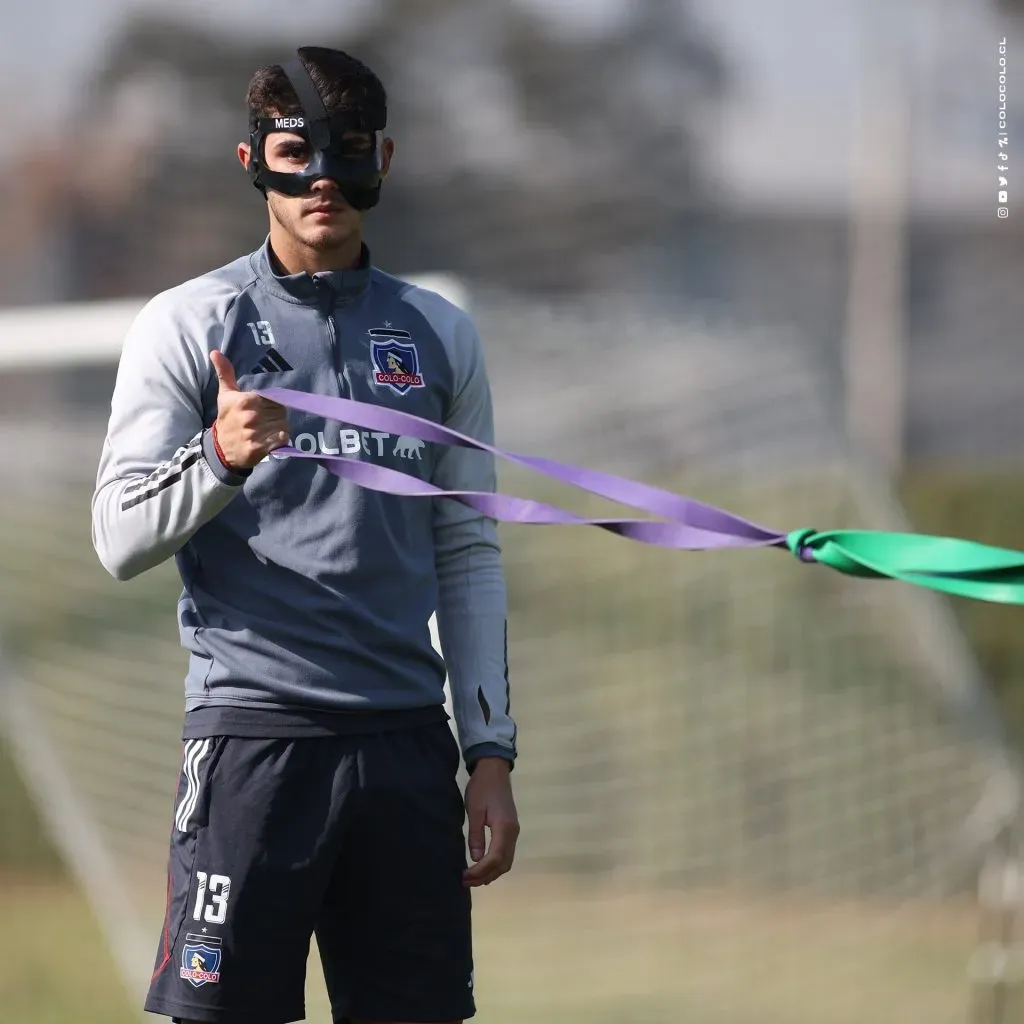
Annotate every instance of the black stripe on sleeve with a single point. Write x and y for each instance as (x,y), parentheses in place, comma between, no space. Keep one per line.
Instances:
(166,467)
(155,487)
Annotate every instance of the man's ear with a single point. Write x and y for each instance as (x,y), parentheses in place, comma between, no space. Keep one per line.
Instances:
(387,152)
(243,154)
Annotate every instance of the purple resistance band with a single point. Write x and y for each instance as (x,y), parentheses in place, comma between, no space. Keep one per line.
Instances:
(690,525)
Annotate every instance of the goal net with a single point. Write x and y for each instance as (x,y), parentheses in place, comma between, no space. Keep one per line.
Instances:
(752,791)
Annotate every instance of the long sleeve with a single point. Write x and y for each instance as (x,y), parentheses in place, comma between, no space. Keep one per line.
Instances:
(472,603)
(159,478)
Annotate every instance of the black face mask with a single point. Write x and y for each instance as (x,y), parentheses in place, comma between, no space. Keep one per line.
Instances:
(346,147)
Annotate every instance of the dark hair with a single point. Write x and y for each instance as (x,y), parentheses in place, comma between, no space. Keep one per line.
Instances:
(342,81)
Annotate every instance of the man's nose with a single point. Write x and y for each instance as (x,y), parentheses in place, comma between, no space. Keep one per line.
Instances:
(326,185)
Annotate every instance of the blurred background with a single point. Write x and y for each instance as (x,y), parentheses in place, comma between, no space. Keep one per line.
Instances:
(749,251)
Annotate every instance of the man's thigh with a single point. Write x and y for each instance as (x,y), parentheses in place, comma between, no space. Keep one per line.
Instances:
(395,936)
(254,841)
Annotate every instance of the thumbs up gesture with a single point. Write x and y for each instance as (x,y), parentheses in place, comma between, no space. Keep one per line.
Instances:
(248,427)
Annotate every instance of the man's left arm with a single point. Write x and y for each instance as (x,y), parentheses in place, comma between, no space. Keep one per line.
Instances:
(472,614)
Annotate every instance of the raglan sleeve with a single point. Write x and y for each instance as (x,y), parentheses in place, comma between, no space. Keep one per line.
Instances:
(159,478)
(472,601)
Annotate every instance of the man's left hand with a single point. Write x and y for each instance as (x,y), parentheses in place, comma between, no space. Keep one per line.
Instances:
(490,806)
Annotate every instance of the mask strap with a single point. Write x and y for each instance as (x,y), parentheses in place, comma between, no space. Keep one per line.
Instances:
(312,104)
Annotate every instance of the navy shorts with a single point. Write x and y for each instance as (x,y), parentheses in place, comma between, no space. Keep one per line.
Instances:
(357,839)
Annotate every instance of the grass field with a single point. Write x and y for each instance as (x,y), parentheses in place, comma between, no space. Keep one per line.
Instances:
(547,954)
(54,967)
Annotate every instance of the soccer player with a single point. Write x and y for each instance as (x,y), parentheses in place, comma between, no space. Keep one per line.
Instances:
(318,791)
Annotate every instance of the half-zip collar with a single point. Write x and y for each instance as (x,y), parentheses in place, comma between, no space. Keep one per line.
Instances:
(309,289)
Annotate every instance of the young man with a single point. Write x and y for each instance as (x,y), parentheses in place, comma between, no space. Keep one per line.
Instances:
(318,788)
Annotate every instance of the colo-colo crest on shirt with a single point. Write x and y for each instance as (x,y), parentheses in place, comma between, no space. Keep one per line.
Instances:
(396,362)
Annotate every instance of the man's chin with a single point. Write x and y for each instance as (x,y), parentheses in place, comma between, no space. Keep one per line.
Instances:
(327,237)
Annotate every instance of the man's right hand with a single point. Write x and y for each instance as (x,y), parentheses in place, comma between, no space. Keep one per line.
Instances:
(248,427)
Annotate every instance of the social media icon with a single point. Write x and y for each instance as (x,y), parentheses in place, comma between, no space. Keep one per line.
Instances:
(1003,197)
(1002,212)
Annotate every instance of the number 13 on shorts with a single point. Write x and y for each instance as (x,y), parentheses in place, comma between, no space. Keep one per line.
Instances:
(212,892)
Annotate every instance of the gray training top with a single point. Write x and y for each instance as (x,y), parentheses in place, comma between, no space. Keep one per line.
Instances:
(307,599)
